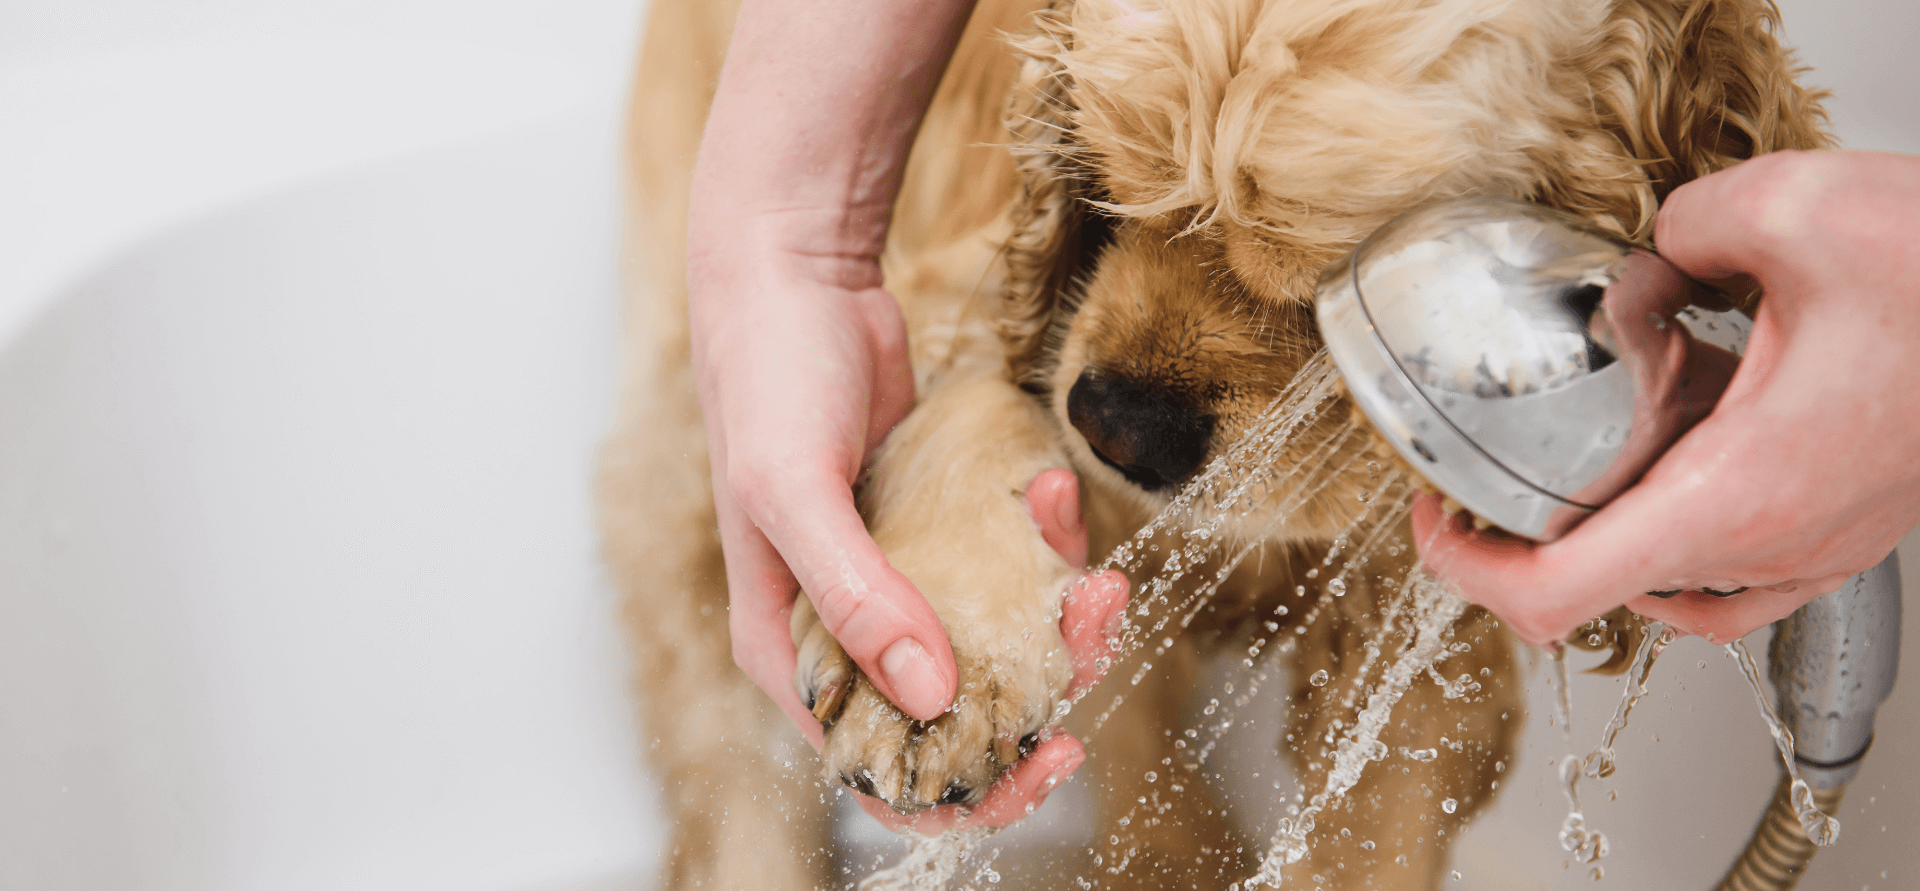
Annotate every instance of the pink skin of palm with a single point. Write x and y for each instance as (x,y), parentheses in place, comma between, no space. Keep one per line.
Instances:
(1808,469)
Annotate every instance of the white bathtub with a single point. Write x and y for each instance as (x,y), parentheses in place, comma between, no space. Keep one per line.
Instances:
(306,337)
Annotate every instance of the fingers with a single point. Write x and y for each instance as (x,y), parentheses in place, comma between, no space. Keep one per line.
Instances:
(1091,611)
(875,613)
(1499,573)
(1090,622)
(1018,792)
(1054,499)
(1543,594)
(1731,223)
(760,594)
(1727,619)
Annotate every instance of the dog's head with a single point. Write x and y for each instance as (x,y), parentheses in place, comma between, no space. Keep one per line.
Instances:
(1189,167)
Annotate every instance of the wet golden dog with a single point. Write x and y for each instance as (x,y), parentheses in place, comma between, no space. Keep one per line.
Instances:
(1105,251)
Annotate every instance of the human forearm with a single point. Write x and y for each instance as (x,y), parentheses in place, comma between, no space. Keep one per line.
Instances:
(812,121)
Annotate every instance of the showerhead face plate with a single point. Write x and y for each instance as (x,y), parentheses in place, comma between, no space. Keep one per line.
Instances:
(1528,365)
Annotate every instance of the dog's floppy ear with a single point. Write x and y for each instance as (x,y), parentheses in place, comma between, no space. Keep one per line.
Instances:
(1688,87)
(1056,230)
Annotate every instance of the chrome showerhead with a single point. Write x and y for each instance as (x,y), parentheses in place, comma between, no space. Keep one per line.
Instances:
(1526,364)
(1534,368)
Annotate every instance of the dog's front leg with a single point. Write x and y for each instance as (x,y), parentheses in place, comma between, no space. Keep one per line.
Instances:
(945,500)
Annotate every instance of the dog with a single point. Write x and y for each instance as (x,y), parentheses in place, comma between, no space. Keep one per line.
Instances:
(1105,251)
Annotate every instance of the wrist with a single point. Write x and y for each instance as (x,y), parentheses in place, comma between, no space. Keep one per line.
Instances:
(837,247)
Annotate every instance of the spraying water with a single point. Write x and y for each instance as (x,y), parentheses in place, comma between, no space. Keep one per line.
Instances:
(1821,829)
(1600,762)
(1434,612)
(1257,478)
(930,863)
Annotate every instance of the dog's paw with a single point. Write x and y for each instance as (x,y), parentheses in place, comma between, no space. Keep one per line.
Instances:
(1005,703)
(953,759)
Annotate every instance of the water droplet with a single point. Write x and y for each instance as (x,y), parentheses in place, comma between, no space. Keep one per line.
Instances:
(1456,875)
(1338,587)
(1366,845)
(1153,776)
(1450,806)
(1313,573)
(1366,497)
(1319,678)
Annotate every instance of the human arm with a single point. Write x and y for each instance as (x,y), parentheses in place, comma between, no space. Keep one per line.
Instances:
(800,353)
(1808,469)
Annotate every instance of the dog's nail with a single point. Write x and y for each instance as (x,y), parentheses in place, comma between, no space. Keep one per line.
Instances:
(827,704)
(910,673)
(1450,506)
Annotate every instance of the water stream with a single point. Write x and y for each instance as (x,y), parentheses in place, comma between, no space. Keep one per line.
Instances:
(1434,610)
(1599,763)
(1255,480)
(1821,829)
(931,862)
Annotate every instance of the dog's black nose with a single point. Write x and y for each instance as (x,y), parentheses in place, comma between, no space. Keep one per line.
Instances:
(1149,434)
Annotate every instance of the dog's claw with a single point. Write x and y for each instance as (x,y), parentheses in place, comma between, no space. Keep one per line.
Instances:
(826,704)
(822,672)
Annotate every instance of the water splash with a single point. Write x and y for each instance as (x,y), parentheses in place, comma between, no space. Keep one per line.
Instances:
(1434,611)
(1586,845)
(1599,763)
(930,862)
(1256,479)
(1562,692)
(1251,476)
(1821,829)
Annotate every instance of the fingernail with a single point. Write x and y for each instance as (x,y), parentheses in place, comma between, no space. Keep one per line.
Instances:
(916,686)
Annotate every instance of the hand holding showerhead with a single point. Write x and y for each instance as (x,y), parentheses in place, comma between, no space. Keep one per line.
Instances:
(1584,395)
(1805,471)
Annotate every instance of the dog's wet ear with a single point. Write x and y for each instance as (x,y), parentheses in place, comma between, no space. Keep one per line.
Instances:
(1057,229)
(1680,90)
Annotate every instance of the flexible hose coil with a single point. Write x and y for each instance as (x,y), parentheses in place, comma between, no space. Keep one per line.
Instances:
(1779,850)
